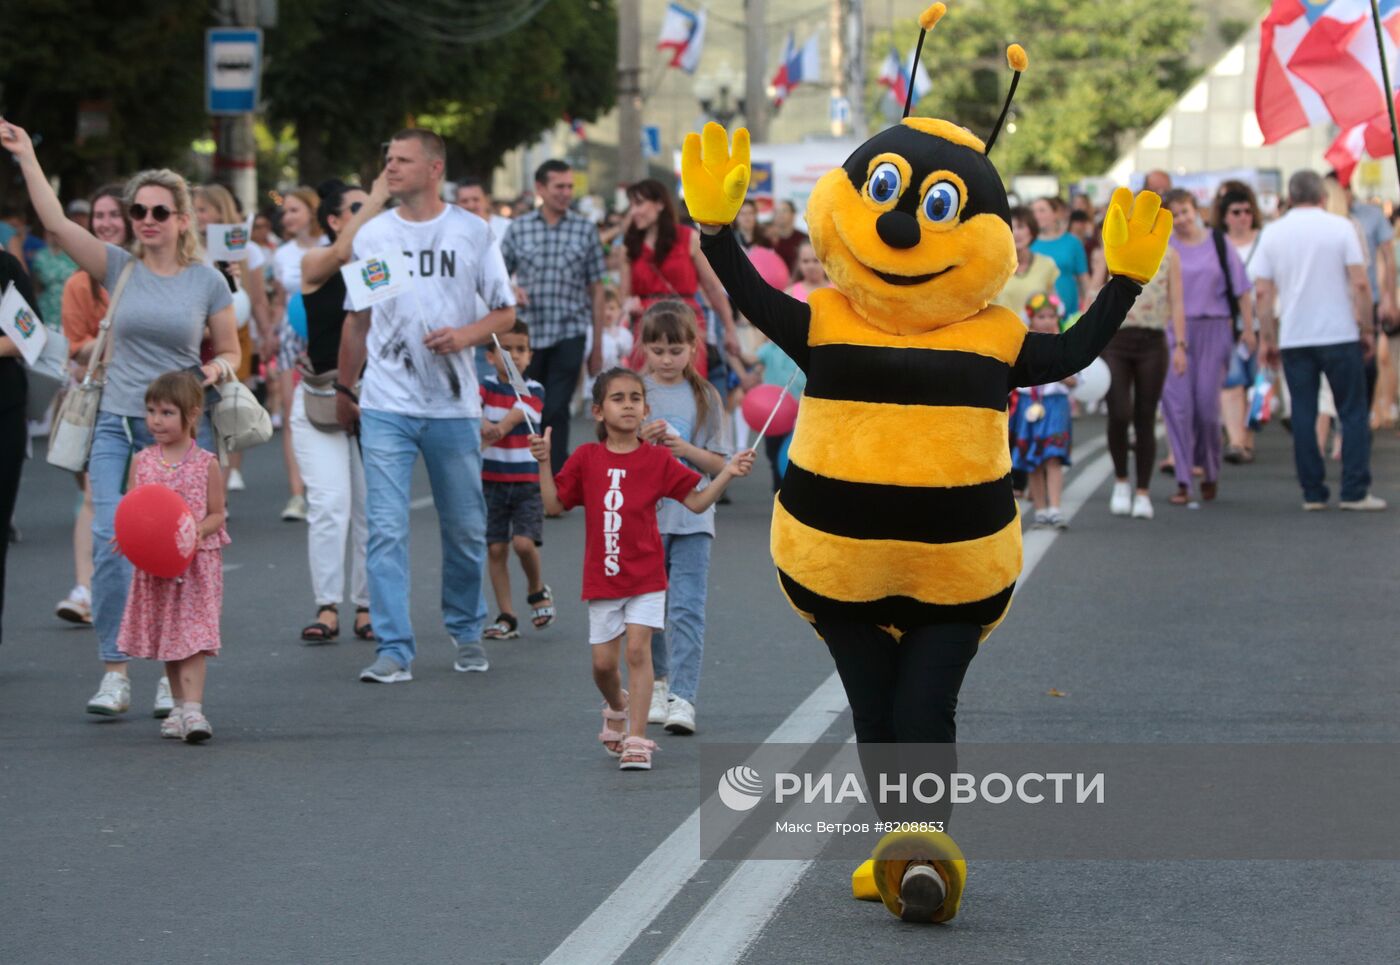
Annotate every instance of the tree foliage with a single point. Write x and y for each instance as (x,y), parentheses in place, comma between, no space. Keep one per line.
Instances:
(346,76)
(1100,71)
(142,61)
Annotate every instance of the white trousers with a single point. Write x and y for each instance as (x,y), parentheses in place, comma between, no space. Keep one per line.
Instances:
(335,498)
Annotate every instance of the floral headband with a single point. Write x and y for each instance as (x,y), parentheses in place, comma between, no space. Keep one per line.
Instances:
(1040,300)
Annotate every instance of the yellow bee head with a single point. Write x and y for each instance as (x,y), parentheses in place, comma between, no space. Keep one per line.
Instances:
(915,229)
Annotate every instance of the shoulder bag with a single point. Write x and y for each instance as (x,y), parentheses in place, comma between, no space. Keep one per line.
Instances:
(76,421)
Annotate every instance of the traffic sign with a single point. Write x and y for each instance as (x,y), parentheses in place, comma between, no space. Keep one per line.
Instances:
(651,141)
(233,69)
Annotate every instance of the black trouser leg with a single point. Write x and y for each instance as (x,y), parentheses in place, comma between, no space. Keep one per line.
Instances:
(903,693)
(557,369)
(13,437)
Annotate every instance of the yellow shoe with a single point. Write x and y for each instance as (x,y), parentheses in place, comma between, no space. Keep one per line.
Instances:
(907,896)
(863,882)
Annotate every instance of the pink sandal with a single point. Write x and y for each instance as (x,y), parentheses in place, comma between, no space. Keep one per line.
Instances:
(612,739)
(636,754)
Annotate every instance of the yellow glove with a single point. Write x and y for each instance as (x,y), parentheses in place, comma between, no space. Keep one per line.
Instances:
(1134,244)
(713,180)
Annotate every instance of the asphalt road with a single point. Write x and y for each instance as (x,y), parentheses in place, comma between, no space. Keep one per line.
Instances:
(473,818)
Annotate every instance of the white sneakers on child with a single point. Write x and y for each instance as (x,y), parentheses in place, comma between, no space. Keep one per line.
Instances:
(1121,502)
(660,710)
(1142,506)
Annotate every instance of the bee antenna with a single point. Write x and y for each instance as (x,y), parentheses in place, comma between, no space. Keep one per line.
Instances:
(927,19)
(1015,59)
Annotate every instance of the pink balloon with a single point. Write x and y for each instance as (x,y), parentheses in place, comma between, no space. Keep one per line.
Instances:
(759,402)
(771,266)
(156,530)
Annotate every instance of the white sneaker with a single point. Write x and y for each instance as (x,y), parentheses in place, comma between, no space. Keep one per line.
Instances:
(1121,502)
(164,702)
(1142,506)
(1366,504)
(195,726)
(681,719)
(660,699)
(173,727)
(235,481)
(76,607)
(1055,518)
(295,510)
(113,695)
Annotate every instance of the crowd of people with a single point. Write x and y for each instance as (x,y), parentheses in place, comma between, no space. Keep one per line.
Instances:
(516,324)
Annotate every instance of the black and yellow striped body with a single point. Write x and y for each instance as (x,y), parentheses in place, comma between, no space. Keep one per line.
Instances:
(897,506)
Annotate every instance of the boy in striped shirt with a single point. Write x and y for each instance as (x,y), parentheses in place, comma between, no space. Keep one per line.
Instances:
(510,479)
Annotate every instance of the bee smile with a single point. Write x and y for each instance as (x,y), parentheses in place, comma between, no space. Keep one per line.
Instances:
(910,279)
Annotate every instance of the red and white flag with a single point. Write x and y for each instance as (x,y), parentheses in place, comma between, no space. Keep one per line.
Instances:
(682,33)
(1318,62)
(1371,139)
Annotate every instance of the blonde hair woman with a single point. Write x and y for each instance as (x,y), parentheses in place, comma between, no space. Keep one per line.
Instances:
(303,231)
(170,298)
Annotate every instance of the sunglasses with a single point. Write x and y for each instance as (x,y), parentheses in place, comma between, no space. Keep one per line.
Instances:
(1235,211)
(160,212)
(355,207)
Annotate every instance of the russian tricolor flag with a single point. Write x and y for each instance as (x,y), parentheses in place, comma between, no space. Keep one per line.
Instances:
(1318,62)
(895,76)
(797,67)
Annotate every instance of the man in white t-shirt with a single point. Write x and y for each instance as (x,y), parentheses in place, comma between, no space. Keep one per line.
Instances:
(1312,294)
(419,395)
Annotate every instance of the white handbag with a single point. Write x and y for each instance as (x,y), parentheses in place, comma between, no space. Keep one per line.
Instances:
(70,442)
(240,422)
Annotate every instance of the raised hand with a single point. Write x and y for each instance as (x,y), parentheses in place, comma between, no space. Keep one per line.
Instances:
(1135,234)
(15,139)
(539,446)
(713,178)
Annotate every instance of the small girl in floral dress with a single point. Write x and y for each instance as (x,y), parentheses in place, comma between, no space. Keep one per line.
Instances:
(177,620)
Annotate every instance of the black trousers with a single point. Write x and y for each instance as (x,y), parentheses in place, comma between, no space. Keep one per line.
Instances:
(903,693)
(557,368)
(1138,359)
(13,438)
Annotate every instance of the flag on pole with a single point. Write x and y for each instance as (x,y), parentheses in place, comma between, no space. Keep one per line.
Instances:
(517,382)
(682,33)
(20,322)
(229,242)
(894,74)
(799,66)
(376,279)
(1371,139)
(1318,63)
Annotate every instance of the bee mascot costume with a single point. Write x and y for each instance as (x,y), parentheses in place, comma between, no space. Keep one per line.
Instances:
(896,534)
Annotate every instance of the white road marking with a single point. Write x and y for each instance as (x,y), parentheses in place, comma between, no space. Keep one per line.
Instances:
(422,502)
(733,917)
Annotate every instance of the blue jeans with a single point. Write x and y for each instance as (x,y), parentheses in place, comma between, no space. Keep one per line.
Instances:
(451,449)
(688,576)
(116,440)
(1342,364)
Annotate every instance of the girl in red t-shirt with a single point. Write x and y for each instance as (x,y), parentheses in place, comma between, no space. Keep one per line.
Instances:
(618,481)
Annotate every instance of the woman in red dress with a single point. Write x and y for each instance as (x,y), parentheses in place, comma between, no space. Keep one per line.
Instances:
(664,262)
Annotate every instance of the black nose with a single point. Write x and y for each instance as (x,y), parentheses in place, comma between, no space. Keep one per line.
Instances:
(897,229)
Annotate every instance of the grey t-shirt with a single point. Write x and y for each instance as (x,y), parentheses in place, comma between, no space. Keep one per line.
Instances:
(1376,231)
(157,328)
(676,404)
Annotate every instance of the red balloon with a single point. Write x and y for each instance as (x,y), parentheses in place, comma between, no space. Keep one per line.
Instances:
(758,404)
(156,530)
(771,266)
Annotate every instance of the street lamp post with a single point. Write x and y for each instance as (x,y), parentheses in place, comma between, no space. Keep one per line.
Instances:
(715,92)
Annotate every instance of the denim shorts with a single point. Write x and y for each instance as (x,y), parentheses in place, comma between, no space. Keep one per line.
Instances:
(513,509)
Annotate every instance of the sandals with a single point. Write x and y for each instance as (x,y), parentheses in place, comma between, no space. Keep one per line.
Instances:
(613,739)
(541,608)
(1181,497)
(636,754)
(319,632)
(506,627)
(364,631)
(1208,489)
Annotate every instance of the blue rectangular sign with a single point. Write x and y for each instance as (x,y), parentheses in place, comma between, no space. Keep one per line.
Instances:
(233,69)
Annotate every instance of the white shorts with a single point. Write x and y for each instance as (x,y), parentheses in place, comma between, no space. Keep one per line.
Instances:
(608,619)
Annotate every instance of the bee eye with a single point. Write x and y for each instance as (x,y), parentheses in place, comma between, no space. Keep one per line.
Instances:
(941,202)
(885,183)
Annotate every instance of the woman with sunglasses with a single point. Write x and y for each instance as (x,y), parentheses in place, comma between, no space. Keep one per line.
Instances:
(1237,215)
(329,459)
(170,298)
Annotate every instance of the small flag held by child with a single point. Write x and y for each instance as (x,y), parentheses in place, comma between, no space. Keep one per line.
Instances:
(517,382)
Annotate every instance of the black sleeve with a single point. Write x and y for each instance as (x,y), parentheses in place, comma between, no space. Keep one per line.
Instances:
(1050,358)
(12,270)
(781,317)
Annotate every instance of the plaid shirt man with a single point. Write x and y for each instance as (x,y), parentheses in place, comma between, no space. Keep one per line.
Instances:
(555,265)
